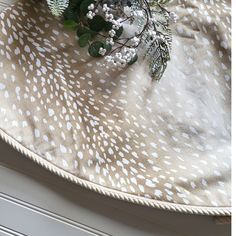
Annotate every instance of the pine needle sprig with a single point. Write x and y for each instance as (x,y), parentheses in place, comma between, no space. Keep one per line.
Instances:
(57,7)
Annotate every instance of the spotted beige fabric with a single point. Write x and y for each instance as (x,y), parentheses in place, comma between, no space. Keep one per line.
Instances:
(163,144)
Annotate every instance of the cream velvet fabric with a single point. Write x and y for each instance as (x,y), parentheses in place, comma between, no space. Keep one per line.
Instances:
(164,142)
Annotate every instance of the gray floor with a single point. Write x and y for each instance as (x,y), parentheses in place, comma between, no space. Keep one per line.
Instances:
(35,202)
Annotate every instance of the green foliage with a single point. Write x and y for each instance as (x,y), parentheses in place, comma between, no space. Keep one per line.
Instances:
(57,7)
(119,32)
(87,29)
(84,6)
(71,13)
(84,30)
(133,60)
(94,48)
(93,31)
(107,26)
(70,24)
(108,47)
(97,24)
(84,39)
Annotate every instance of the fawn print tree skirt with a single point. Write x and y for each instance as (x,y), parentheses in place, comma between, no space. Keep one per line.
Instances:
(116,131)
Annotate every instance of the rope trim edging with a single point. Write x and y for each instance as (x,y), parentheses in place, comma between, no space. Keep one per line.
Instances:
(211,211)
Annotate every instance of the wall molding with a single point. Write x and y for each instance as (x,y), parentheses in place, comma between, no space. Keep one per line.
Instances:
(11,232)
(49,214)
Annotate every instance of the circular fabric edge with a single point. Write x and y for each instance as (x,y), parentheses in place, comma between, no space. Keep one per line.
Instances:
(174,207)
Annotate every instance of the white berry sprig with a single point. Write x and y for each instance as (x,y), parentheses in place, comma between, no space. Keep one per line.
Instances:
(100,25)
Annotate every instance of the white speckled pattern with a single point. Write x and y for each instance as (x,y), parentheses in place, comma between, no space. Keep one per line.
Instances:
(166,141)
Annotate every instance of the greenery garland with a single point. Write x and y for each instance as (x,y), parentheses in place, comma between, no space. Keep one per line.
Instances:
(100,25)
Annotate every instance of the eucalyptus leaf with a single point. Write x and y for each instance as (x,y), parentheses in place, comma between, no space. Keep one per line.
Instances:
(84,6)
(84,30)
(97,23)
(84,39)
(94,48)
(119,32)
(76,4)
(108,47)
(70,24)
(71,14)
(107,26)
(133,60)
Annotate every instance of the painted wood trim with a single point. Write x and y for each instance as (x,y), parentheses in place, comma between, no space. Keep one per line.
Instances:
(6,199)
(10,232)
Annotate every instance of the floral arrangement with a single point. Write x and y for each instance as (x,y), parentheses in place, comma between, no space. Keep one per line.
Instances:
(116,29)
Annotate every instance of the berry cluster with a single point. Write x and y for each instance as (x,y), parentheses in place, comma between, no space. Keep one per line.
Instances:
(100,25)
